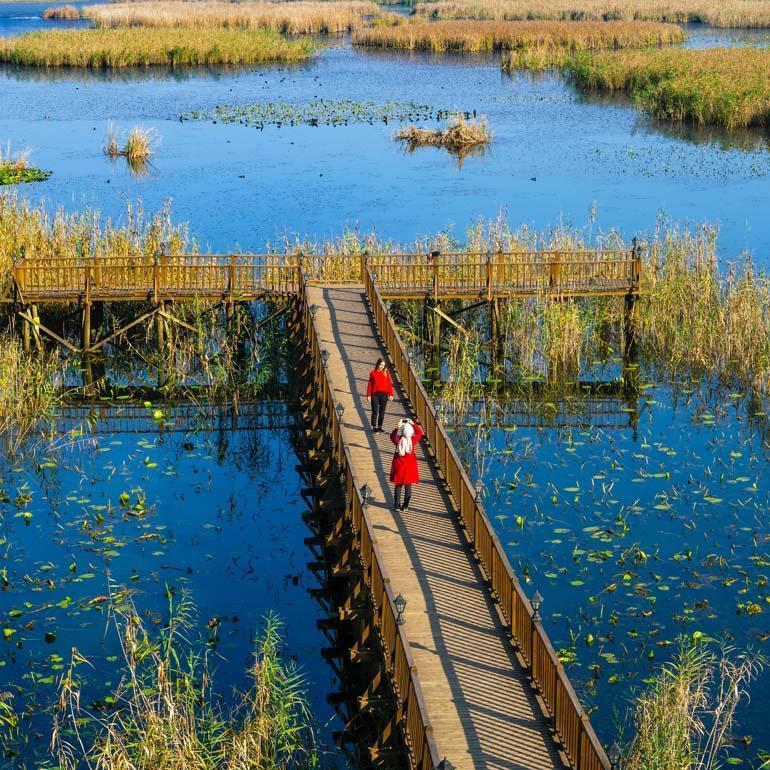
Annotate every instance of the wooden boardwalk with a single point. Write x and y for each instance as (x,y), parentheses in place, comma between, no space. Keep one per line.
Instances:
(481,707)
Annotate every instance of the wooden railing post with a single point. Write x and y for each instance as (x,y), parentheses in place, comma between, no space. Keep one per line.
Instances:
(554,279)
(490,264)
(156,280)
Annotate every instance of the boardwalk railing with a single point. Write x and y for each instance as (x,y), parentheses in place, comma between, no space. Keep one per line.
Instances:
(247,276)
(399,664)
(580,743)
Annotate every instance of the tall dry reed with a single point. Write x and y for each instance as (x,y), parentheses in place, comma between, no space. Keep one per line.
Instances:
(69,12)
(730,13)
(160,46)
(301,17)
(727,87)
(480,36)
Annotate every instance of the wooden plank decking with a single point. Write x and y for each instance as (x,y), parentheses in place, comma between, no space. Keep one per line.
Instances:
(479,703)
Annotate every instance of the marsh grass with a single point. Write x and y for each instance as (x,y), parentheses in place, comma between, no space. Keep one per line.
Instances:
(727,87)
(15,167)
(460,137)
(138,147)
(301,17)
(67,12)
(685,718)
(732,13)
(161,46)
(483,36)
(166,713)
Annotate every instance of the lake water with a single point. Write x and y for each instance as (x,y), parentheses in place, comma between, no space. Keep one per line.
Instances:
(557,157)
(632,536)
(216,513)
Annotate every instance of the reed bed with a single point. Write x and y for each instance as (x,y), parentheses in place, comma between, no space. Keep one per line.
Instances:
(727,87)
(481,36)
(59,12)
(459,137)
(316,18)
(168,714)
(171,47)
(732,13)
(685,717)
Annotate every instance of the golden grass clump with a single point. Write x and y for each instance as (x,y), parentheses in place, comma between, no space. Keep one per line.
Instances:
(480,36)
(301,17)
(172,47)
(458,137)
(727,87)
(736,13)
(138,148)
(68,12)
(29,388)
(168,715)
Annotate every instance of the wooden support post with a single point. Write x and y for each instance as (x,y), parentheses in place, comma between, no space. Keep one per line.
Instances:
(25,334)
(86,326)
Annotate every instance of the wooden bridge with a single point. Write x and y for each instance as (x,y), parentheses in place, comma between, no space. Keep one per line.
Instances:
(474,677)
(477,682)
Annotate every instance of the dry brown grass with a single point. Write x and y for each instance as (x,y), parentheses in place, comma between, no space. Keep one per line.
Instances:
(61,12)
(478,36)
(458,137)
(291,17)
(731,13)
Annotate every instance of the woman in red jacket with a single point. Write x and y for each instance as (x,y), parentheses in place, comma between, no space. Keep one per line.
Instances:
(403,471)
(378,390)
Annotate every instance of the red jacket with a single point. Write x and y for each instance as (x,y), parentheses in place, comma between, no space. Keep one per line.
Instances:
(379,382)
(404,469)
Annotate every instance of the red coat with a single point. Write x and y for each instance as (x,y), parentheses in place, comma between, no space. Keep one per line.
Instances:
(379,382)
(404,469)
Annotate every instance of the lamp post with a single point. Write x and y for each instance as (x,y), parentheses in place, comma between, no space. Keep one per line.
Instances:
(340,409)
(614,755)
(366,494)
(325,356)
(445,764)
(536,602)
(400,603)
(313,309)
(479,487)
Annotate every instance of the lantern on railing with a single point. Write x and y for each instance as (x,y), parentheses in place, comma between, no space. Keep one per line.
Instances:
(313,310)
(445,764)
(479,487)
(400,603)
(340,409)
(537,603)
(325,356)
(614,754)
(366,495)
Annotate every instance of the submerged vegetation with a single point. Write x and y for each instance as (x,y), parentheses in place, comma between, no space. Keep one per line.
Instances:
(167,713)
(727,87)
(15,168)
(684,720)
(460,137)
(61,12)
(480,36)
(111,48)
(732,13)
(324,112)
(294,18)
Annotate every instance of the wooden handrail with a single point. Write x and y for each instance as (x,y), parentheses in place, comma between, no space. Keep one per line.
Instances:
(230,277)
(399,664)
(580,743)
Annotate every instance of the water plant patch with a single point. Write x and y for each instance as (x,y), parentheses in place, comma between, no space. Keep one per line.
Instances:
(323,112)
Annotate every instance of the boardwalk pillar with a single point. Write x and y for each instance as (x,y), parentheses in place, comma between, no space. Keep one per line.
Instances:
(86,342)
(25,334)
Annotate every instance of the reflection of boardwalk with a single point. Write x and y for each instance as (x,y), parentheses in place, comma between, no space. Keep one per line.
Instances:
(168,417)
(479,703)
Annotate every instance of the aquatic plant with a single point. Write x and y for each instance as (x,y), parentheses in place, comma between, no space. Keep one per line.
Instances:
(684,719)
(323,112)
(458,137)
(29,390)
(171,47)
(168,715)
(61,12)
(303,17)
(15,168)
(734,13)
(480,36)
(727,87)
(138,148)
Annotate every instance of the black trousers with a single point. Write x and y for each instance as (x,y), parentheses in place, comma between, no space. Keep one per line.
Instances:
(379,402)
(407,494)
